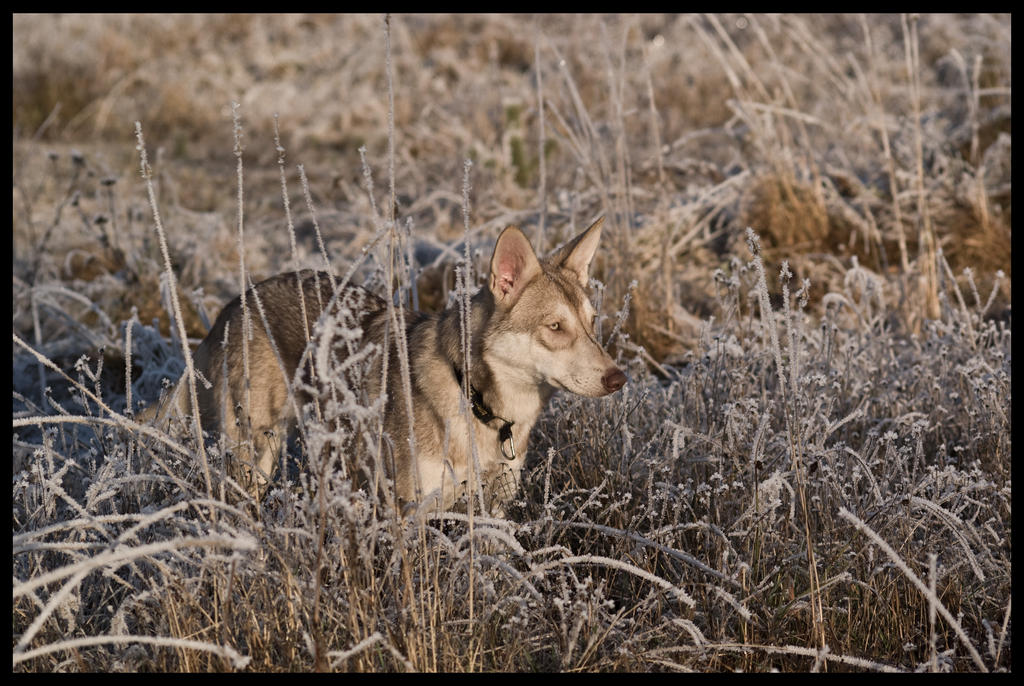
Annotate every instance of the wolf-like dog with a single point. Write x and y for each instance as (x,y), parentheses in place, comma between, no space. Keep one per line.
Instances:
(531,332)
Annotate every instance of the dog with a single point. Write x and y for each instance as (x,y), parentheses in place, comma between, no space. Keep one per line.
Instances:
(530,333)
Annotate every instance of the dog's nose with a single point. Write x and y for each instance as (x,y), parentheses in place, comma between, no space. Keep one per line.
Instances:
(613,379)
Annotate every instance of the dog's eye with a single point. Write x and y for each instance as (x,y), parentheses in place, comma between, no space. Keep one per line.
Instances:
(554,326)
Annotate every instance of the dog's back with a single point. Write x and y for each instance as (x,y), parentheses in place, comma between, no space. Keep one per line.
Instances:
(256,372)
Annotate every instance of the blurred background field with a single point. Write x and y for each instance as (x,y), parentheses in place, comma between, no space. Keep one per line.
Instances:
(870,154)
(683,130)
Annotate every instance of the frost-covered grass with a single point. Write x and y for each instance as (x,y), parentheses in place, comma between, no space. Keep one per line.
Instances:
(810,466)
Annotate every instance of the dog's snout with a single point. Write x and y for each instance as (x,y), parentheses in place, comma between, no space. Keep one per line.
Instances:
(613,379)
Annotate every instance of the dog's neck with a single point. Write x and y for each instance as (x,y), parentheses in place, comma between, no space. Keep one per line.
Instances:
(503,392)
(485,415)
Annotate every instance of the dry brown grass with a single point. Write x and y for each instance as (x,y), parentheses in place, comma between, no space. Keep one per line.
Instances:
(694,521)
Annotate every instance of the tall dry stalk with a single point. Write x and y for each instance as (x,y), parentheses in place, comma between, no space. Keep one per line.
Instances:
(179,320)
(926,262)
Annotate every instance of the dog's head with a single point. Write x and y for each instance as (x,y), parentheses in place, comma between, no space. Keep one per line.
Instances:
(544,319)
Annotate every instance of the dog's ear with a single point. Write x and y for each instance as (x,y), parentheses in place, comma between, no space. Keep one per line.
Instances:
(512,266)
(577,254)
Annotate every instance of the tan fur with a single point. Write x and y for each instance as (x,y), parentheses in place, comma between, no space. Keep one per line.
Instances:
(531,333)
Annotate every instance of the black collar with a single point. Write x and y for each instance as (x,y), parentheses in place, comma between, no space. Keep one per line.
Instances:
(484,413)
